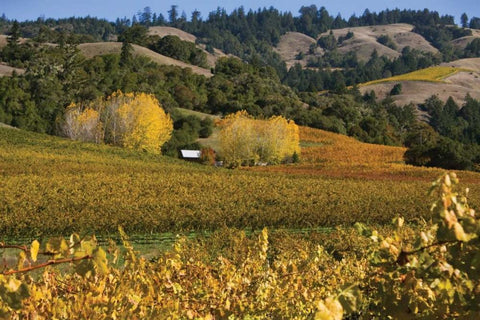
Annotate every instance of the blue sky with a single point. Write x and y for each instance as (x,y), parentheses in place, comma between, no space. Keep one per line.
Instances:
(111,9)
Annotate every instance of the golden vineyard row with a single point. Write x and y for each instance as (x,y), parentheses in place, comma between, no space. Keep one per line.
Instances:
(55,186)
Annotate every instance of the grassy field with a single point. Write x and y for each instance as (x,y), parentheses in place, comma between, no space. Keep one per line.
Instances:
(56,186)
(432,74)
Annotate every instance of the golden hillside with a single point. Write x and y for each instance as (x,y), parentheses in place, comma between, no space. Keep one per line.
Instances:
(291,44)
(466,80)
(364,40)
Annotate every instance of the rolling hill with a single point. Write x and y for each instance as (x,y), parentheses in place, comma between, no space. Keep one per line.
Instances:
(100,48)
(363,42)
(87,184)
(466,80)
(6,70)
(291,44)
(185,36)
(462,42)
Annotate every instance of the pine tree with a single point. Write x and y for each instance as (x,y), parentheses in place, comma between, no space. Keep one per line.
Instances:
(14,34)
(464,20)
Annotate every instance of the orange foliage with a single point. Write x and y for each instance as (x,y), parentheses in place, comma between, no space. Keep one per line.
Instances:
(323,146)
(335,155)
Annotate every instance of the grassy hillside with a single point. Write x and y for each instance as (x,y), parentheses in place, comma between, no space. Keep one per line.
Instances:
(100,48)
(462,42)
(185,36)
(432,74)
(454,79)
(291,44)
(164,31)
(365,41)
(55,186)
(6,70)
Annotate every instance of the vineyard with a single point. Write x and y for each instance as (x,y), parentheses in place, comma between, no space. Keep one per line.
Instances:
(52,186)
(432,74)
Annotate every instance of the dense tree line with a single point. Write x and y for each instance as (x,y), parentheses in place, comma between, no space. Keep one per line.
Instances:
(450,139)
(87,29)
(251,35)
(350,71)
(174,47)
(57,76)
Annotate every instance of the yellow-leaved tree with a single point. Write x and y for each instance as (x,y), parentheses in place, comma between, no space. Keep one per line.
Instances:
(137,121)
(82,124)
(131,120)
(278,138)
(237,139)
(245,140)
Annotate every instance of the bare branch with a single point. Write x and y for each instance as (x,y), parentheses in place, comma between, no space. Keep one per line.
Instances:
(48,263)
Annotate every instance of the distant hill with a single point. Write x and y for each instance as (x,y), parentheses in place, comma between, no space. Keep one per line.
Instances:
(101,48)
(363,42)
(462,42)
(170,31)
(185,36)
(3,40)
(457,85)
(291,44)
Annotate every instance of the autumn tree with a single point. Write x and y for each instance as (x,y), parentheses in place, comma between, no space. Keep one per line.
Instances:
(281,138)
(142,123)
(82,124)
(237,139)
(131,120)
(245,140)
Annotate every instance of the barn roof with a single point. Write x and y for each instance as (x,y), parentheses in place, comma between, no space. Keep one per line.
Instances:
(190,154)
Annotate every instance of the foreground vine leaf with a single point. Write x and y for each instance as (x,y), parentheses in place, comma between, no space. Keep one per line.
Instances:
(34,250)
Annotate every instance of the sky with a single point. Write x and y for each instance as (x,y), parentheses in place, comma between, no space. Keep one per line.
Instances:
(111,9)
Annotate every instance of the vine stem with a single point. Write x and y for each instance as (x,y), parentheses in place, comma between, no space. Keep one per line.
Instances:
(12,246)
(402,258)
(48,263)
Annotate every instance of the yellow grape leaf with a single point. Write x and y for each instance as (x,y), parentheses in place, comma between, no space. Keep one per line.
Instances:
(100,260)
(330,309)
(459,232)
(13,284)
(34,250)
(21,259)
